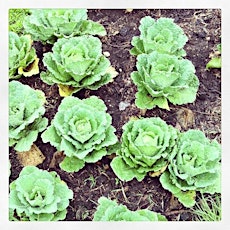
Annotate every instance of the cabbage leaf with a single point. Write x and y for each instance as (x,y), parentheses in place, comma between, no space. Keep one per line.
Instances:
(109,210)
(82,130)
(22,56)
(162,35)
(193,166)
(47,25)
(161,78)
(77,63)
(38,195)
(26,110)
(145,147)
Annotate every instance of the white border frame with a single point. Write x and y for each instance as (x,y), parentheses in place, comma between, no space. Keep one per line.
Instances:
(117,4)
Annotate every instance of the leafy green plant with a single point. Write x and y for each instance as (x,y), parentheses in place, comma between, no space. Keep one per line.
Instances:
(161,78)
(16,17)
(161,35)
(208,208)
(194,165)
(38,195)
(47,25)
(83,130)
(109,210)
(77,63)
(145,147)
(22,56)
(26,110)
(215,61)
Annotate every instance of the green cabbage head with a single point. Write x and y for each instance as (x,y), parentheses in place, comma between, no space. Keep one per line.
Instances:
(193,166)
(22,56)
(26,110)
(162,35)
(47,25)
(161,78)
(109,210)
(39,195)
(145,147)
(82,130)
(77,63)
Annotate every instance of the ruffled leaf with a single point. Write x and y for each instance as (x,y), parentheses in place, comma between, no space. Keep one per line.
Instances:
(125,172)
(161,78)
(39,195)
(25,116)
(72,164)
(146,145)
(195,166)
(82,130)
(47,25)
(77,63)
(22,56)
(161,35)
(109,210)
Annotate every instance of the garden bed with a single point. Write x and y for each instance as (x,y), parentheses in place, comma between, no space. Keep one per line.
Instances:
(203,28)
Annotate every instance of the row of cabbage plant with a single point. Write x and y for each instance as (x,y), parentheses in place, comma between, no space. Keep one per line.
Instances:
(76,62)
(187,162)
(162,75)
(82,130)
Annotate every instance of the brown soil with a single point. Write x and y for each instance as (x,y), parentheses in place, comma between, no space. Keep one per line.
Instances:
(203,28)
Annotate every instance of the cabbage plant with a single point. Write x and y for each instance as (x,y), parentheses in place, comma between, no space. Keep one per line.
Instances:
(161,78)
(38,195)
(26,110)
(145,147)
(77,63)
(109,210)
(47,25)
(22,56)
(82,130)
(162,35)
(193,166)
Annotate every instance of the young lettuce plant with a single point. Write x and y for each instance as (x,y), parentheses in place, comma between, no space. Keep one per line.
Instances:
(145,147)
(38,195)
(194,165)
(22,56)
(161,78)
(47,25)
(109,210)
(163,36)
(26,110)
(82,130)
(77,63)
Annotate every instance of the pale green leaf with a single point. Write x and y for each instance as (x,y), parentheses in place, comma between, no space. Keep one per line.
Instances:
(39,195)
(215,62)
(47,25)
(72,164)
(109,210)
(124,172)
